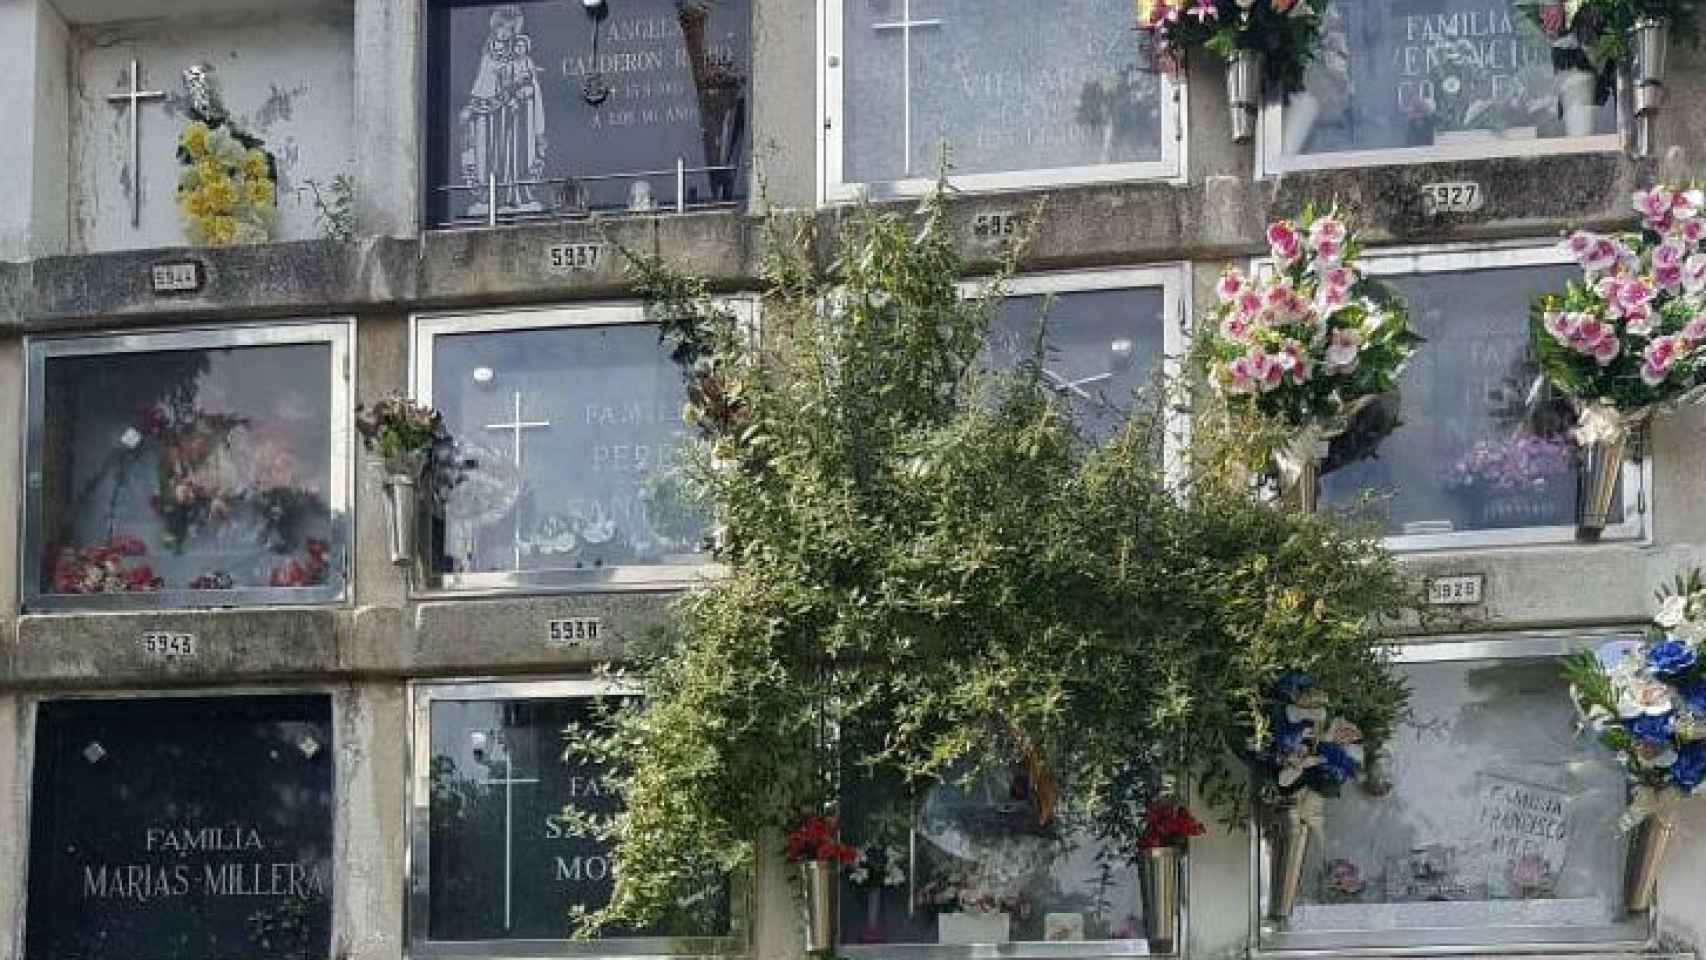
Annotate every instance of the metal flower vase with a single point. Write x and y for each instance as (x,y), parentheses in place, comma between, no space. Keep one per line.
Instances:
(402,502)
(1649,45)
(1244,93)
(1647,844)
(1299,465)
(1158,870)
(818,883)
(1599,468)
(1288,844)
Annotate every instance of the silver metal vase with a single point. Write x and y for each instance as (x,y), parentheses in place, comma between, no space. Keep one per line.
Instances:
(1647,844)
(1288,842)
(402,501)
(1649,43)
(818,886)
(1599,468)
(1244,93)
(1158,881)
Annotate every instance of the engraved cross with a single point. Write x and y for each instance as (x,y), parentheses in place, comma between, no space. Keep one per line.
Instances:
(906,25)
(132,99)
(509,781)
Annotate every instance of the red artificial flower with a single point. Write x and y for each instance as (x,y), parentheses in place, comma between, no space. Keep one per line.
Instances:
(814,839)
(1168,824)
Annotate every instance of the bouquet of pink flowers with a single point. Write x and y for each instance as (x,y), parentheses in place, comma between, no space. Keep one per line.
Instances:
(1311,339)
(1287,33)
(1627,336)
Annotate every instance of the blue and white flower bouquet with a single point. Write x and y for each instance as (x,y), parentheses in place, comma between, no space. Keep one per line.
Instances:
(1646,700)
(1307,747)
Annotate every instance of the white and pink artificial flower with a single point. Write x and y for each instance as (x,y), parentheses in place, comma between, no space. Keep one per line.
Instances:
(1659,357)
(1342,350)
(1284,244)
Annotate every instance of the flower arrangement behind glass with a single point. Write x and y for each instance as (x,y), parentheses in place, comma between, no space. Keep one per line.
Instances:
(1524,479)
(198,483)
(1311,343)
(1645,700)
(1626,338)
(1286,33)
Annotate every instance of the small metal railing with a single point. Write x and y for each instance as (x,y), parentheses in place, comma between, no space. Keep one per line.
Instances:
(574,185)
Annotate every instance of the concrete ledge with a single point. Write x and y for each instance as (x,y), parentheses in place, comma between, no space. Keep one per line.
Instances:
(232,646)
(1565,586)
(478,637)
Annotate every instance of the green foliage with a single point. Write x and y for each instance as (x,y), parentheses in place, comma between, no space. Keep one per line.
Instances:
(931,571)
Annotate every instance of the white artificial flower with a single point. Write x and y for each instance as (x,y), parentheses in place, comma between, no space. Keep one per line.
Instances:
(1643,696)
(1672,612)
(131,438)
(1451,85)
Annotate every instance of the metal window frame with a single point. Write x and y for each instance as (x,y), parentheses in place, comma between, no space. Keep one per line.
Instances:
(337,334)
(424,331)
(1635,936)
(1173,279)
(28,725)
(1271,160)
(418,828)
(834,188)
(1437,258)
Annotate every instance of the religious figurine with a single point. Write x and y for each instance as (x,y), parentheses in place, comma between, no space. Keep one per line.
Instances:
(503,125)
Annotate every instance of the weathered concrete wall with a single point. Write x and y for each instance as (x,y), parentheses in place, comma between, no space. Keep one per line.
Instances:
(33,44)
(288,79)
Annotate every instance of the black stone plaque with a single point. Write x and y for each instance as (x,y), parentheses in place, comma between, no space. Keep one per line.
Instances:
(609,96)
(504,864)
(182,829)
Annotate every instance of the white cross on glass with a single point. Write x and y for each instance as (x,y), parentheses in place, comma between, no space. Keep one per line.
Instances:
(515,427)
(132,99)
(508,782)
(906,25)
(1062,385)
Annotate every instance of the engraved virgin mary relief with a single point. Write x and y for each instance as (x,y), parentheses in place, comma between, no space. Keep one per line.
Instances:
(503,123)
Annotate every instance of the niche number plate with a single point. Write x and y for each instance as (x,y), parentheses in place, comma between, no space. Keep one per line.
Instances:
(994,226)
(573,257)
(169,646)
(1456,591)
(573,631)
(1454,196)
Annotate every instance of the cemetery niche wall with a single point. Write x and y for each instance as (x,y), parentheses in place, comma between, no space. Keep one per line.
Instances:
(1016,93)
(569,446)
(1411,80)
(190,469)
(542,109)
(496,860)
(1496,824)
(197,828)
(1476,458)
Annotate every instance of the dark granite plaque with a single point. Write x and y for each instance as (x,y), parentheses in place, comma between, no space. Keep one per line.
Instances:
(182,829)
(504,864)
(610,97)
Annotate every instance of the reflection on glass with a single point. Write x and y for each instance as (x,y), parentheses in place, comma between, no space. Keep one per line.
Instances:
(1004,85)
(1420,73)
(568,108)
(1102,347)
(1470,452)
(200,470)
(505,863)
(985,862)
(1498,816)
(572,442)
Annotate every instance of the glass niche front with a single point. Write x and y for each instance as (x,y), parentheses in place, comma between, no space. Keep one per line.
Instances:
(202,468)
(196,828)
(497,859)
(543,108)
(570,451)
(1104,345)
(1472,460)
(1410,80)
(1495,822)
(964,867)
(1017,93)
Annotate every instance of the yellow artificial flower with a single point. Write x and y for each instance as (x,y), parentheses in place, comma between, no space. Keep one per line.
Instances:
(195,139)
(255,165)
(1144,9)
(260,191)
(221,230)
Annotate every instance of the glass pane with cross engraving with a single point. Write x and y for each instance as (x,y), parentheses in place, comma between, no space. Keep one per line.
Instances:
(1444,73)
(1003,85)
(1496,820)
(507,862)
(1472,449)
(545,108)
(1100,347)
(571,445)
